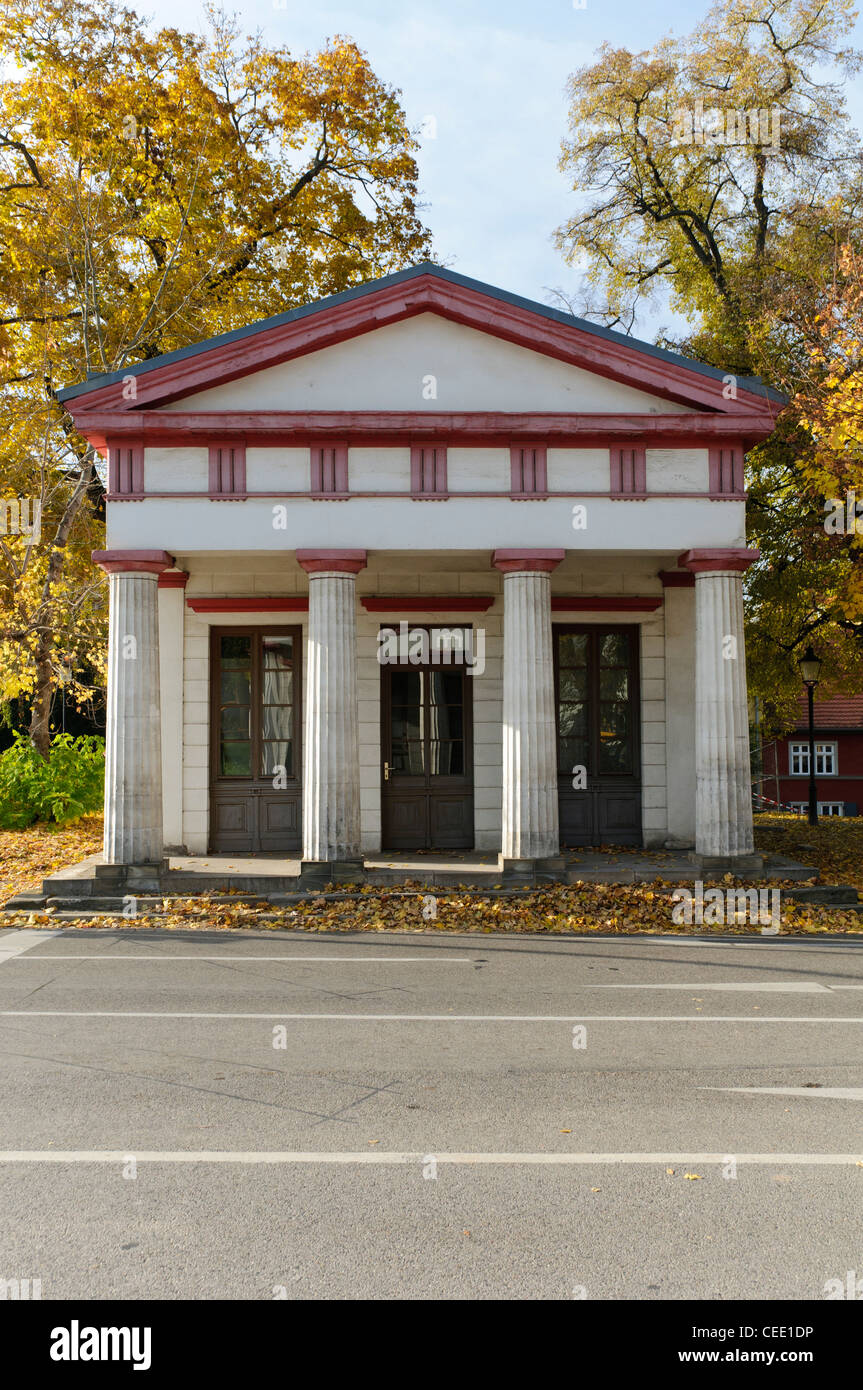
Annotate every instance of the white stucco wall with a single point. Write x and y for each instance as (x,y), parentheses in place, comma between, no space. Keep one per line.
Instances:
(478,470)
(390,369)
(571,470)
(176,469)
(379,470)
(278,470)
(677,470)
(184,524)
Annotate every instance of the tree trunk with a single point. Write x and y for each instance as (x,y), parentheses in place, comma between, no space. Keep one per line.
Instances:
(40,714)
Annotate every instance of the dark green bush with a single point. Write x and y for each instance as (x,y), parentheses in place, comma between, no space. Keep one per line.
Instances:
(65,787)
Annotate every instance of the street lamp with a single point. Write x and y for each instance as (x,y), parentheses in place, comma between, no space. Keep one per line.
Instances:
(810,670)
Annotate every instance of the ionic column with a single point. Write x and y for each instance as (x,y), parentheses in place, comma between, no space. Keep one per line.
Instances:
(530,815)
(331,760)
(133,752)
(723,793)
(172,611)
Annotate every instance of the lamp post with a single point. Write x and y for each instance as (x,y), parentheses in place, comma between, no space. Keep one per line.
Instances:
(810,670)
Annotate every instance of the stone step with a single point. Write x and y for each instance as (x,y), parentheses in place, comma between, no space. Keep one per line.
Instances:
(120,907)
(25,902)
(218,899)
(180,884)
(825,895)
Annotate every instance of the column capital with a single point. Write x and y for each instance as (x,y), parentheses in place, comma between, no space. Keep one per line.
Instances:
(527,561)
(677,579)
(332,561)
(734,558)
(173,579)
(132,561)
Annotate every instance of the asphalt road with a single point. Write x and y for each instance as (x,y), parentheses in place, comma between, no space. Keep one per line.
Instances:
(260,1115)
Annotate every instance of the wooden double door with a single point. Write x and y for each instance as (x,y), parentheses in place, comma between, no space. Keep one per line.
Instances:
(598,728)
(255,739)
(427,758)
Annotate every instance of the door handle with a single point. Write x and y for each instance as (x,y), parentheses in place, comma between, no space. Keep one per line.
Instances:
(386,772)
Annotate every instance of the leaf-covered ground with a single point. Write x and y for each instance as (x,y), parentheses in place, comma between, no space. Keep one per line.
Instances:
(27,856)
(834,845)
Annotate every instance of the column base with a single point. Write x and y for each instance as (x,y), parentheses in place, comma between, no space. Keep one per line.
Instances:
(750,865)
(317,873)
(530,871)
(131,878)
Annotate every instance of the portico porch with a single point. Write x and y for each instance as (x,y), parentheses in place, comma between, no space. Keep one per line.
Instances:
(588,701)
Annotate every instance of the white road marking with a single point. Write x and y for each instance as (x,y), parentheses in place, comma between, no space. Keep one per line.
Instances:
(782,987)
(328,960)
(367,1156)
(17,942)
(432,1018)
(830,1092)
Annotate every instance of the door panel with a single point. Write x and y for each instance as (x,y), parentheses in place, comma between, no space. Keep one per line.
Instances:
(598,728)
(255,789)
(426,746)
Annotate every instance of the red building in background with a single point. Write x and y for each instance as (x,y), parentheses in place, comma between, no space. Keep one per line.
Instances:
(838,760)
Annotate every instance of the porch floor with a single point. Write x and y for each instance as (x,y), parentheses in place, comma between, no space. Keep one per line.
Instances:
(475,868)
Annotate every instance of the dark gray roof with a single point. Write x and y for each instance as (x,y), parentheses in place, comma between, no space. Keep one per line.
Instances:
(94,382)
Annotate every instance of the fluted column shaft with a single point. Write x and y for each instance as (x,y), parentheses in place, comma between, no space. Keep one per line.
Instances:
(530,808)
(723,794)
(331,760)
(133,754)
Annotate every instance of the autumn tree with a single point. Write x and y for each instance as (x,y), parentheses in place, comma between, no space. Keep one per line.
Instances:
(158,188)
(817,563)
(718,174)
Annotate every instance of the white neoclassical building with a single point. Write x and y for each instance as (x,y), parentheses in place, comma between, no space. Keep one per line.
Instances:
(424,566)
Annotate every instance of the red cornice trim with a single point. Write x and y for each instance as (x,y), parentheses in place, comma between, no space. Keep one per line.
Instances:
(380,428)
(427,603)
(132,561)
(328,561)
(390,304)
(622,603)
(732,558)
(521,561)
(173,579)
(677,579)
(247,604)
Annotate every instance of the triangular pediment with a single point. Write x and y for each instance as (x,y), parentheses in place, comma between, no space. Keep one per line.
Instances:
(421,337)
(426,360)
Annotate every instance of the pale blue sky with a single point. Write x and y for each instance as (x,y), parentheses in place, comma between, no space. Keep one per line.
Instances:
(492,75)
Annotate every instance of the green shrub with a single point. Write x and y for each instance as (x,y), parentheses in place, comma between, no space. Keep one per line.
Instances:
(65,787)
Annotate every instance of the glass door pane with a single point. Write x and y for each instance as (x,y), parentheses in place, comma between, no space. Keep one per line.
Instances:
(615,715)
(408,723)
(574,703)
(446,723)
(235,706)
(277,706)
